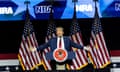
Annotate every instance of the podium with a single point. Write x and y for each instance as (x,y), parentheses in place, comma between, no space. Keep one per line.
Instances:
(50,56)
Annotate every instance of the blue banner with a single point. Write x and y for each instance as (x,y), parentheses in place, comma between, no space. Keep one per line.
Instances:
(62,9)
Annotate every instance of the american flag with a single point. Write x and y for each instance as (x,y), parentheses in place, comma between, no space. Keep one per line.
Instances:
(50,34)
(28,59)
(98,54)
(80,60)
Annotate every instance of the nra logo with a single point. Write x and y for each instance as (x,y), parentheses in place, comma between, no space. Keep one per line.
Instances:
(117,6)
(84,8)
(6,10)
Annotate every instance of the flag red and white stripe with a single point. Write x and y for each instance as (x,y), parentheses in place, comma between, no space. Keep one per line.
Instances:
(50,34)
(29,60)
(46,63)
(98,53)
(81,58)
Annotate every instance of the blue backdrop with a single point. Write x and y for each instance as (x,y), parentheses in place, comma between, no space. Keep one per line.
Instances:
(63,9)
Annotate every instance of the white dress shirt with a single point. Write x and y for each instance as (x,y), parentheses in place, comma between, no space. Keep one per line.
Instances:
(62,42)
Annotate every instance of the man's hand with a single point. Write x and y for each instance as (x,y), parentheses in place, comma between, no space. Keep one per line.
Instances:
(33,49)
(87,48)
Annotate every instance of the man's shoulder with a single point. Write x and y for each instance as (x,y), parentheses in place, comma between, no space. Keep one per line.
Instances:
(53,38)
(66,37)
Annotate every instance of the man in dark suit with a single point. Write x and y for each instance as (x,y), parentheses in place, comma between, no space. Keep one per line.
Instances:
(60,42)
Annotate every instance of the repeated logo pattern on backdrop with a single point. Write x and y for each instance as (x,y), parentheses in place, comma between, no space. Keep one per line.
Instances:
(63,9)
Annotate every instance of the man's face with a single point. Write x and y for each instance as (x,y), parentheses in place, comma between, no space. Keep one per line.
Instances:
(59,32)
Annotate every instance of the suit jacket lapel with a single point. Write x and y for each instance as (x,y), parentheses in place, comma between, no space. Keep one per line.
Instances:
(64,41)
(55,42)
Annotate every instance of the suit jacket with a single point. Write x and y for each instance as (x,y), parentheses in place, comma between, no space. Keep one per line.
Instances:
(52,43)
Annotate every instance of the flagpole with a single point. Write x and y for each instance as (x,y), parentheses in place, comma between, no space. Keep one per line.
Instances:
(27,2)
(51,1)
(95,2)
(51,10)
(50,32)
(74,1)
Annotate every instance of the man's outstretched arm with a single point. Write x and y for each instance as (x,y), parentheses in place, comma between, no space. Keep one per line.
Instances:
(41,47)
(73,44)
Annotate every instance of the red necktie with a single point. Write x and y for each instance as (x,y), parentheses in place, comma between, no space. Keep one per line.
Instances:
(60,43)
